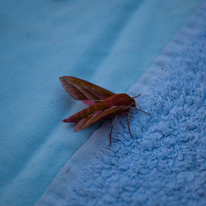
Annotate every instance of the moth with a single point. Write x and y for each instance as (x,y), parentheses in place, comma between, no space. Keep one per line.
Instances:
(102,103)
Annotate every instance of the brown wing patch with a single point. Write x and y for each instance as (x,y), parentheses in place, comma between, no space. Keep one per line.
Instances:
(86,122)
(82,90)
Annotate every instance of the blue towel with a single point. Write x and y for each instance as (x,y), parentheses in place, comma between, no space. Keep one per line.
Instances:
(165,164)
(109,43)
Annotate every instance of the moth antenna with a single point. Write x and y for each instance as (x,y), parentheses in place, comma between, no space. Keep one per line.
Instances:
(136,96)
(128,125)
(140,110)
(111,129)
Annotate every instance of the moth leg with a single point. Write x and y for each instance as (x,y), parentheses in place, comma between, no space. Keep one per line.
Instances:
(111,129)
(128,125)
(139,110)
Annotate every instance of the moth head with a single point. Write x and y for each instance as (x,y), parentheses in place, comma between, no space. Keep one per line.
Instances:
(134,104)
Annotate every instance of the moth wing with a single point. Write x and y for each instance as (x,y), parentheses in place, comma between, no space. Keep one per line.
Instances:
(85,91)
(97,116)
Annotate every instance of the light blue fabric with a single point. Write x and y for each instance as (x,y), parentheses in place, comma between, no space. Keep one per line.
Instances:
(110,43)
(165,164)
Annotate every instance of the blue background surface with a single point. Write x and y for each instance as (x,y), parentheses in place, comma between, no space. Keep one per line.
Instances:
(165,162)
(108,43)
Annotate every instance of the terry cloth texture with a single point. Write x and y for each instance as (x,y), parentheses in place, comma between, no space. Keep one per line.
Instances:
(43,40)
(165,164)
(108,43)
